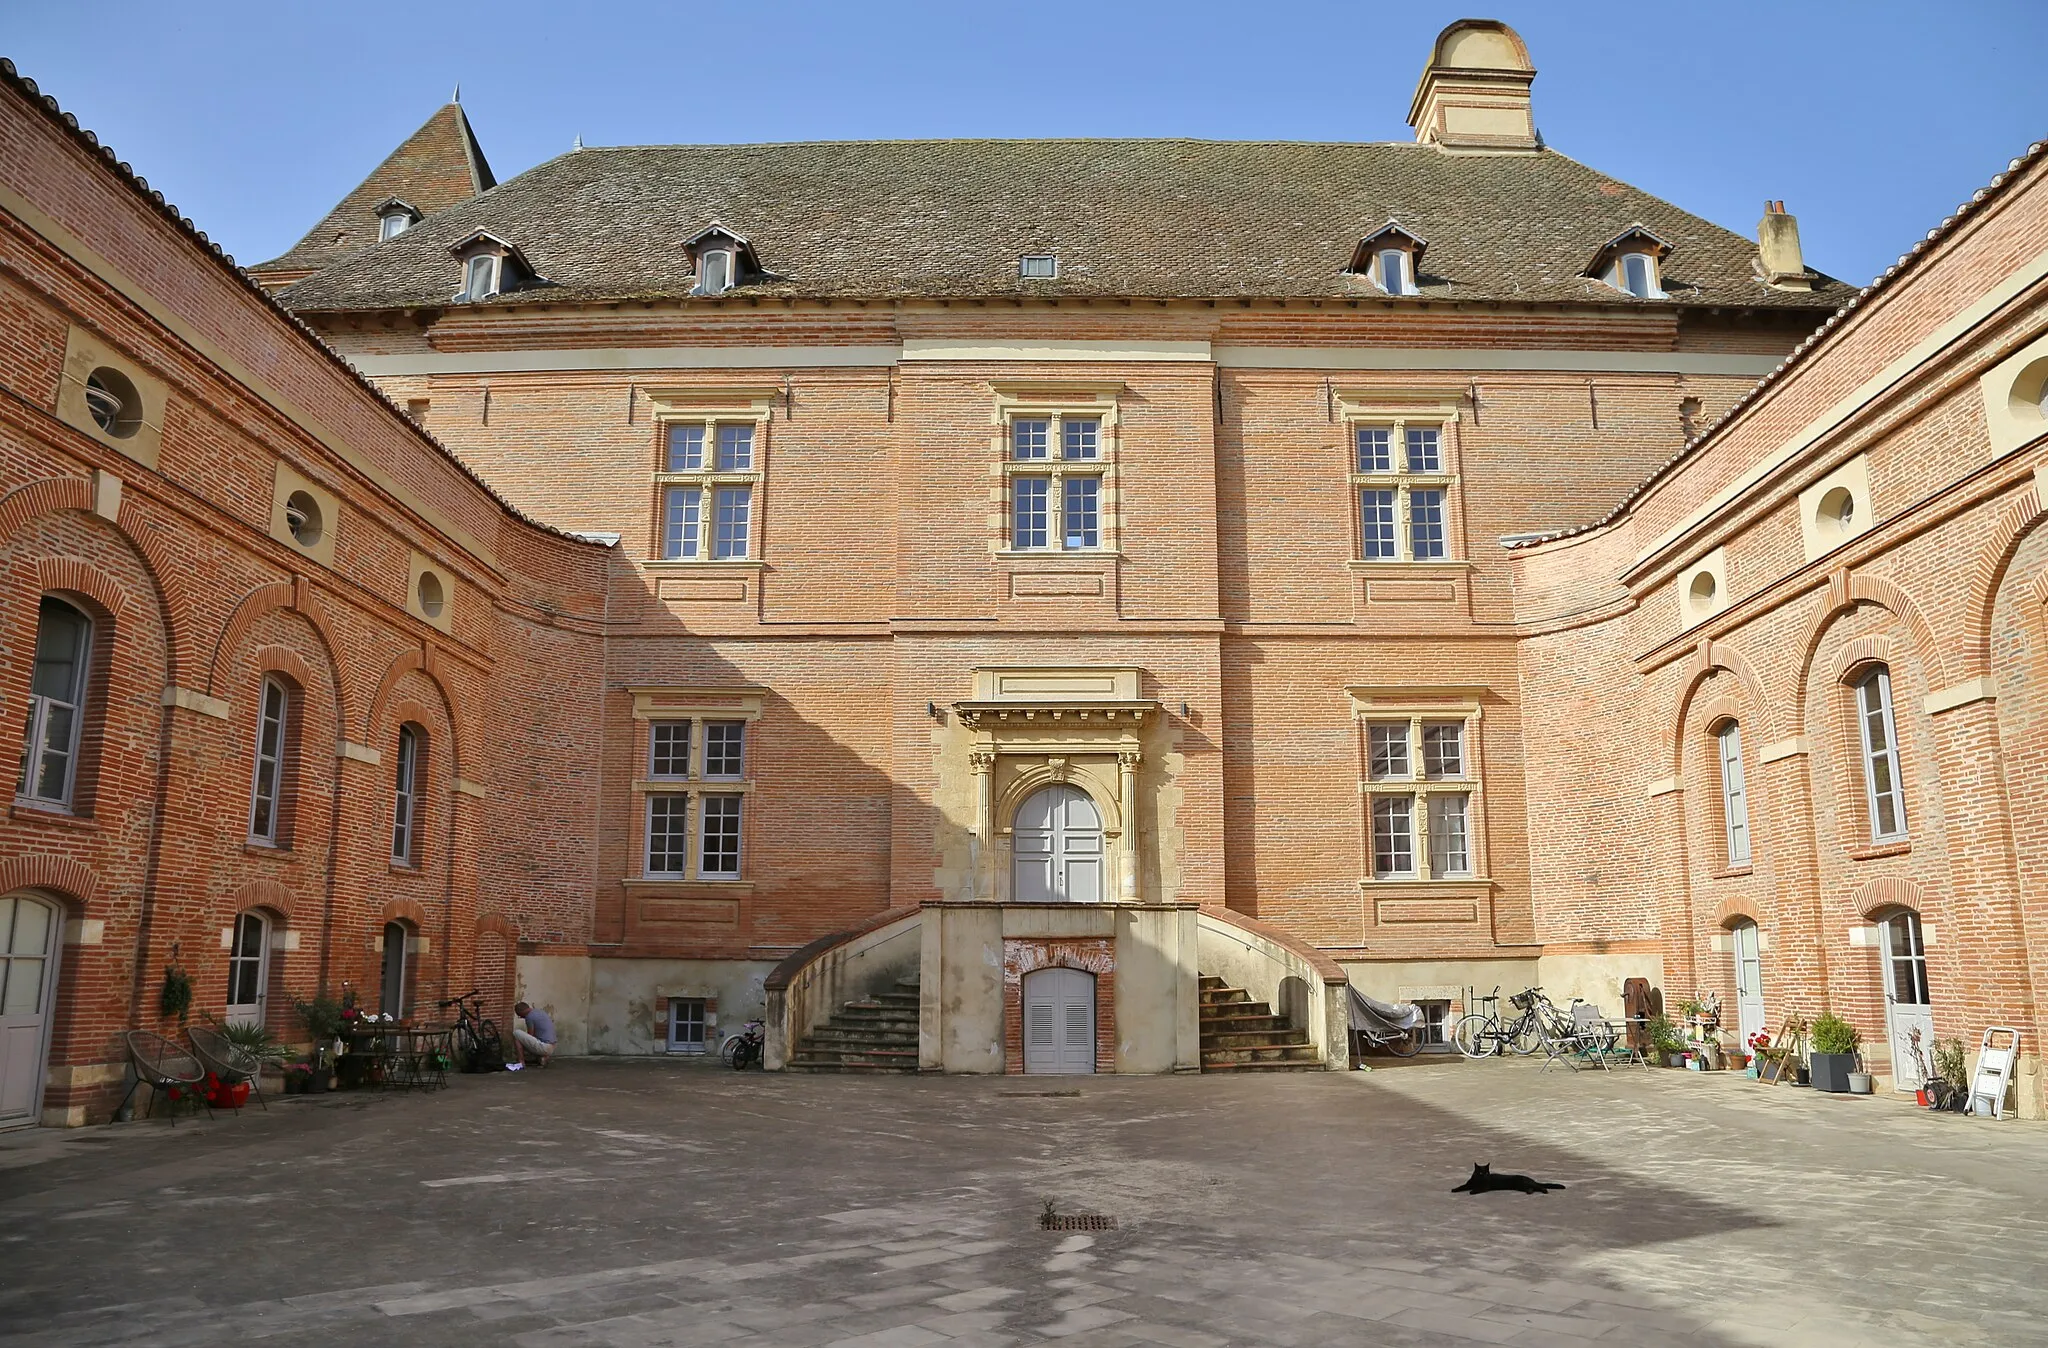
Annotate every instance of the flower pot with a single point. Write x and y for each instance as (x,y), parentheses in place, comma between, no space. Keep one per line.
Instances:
(1830,1071)
(1920,1097)
(1860,1083)
(1674,1060)
(316,1084)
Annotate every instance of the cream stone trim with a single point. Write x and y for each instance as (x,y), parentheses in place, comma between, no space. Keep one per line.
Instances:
(1492,360)
(659,703)
(1439,701)
(1702,588)
(191,700)
(1663,786)
(106,494)
(1055,401)
(287,481)
(361,753)
(1923,351)
(1983,688)
(2012,391)
(290,939)
(1794,747)
(1040,684)
(627,359)
(84,931)
(85,352)
(1818,528)
(948,348)
(422,572)
(464,786)
(84,1074)
(173,321)
(692,786)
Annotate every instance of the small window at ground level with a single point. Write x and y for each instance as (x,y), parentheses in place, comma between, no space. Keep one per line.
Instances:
(686,1018)
(1434,1031)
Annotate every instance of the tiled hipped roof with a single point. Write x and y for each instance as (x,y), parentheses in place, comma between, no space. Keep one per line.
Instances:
(438,166)
(13,79)
(1126,218)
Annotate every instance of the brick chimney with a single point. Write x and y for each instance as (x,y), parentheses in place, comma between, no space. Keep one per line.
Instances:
(1474,93)
(1778,259)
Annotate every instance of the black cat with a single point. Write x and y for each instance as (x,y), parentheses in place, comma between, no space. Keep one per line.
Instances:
(1485,1181)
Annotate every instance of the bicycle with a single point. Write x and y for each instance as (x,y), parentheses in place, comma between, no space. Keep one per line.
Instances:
(477,1045)
(742,1049)
(1483,1033)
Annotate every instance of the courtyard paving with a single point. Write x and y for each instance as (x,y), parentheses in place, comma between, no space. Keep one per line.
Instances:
(638,1203)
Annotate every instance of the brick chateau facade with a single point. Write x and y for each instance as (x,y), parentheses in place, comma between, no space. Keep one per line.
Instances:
(1015,582)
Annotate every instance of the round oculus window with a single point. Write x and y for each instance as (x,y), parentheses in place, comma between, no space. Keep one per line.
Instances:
(1837,512)
(432,594)
(1702,589)
(302,516)
(115,406)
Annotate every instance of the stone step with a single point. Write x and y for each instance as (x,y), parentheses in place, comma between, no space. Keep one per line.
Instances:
(1222,996)
(1275,1053)
(803,1065)
(860,1034)
(885,1001)
(871,1057)
(869,1015)
(1210,981)
(1254,1039)
(1241,1006)
(1243,1024)
(1306,1065)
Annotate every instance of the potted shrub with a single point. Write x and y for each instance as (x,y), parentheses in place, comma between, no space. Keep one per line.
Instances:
(322,1019)
(1665,1039)
(1952,1070)
(1833,1055)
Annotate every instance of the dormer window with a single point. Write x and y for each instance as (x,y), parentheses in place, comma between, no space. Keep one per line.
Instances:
(490,266)
(722,259)
(1390,257)
(1631,262)
(395,217)
(1038,267)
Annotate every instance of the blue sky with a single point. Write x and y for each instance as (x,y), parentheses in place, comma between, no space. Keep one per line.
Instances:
(1872,119)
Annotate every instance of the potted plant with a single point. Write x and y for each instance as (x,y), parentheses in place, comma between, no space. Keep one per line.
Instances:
(322,1019)
(1952,1068)
(1833,1056)
(1666,1040)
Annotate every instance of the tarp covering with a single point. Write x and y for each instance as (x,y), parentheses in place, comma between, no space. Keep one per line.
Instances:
(1385,1017)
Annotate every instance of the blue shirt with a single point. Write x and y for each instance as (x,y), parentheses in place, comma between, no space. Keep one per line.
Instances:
(540,1025)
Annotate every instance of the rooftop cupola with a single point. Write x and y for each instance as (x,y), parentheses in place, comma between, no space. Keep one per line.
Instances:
(1474,93)
(1778,258)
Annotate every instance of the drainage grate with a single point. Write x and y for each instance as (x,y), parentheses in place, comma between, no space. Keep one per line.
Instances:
(1078,1221)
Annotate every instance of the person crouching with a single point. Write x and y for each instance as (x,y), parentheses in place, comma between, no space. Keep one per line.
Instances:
(537,1039)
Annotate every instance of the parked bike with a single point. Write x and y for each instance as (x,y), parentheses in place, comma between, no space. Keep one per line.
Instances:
(477,1045)
(743,1048)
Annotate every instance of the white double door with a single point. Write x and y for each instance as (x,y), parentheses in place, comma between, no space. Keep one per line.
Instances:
(1059,1021)
(29,928)
(1749,981)
(1056,848)
(1907,1008)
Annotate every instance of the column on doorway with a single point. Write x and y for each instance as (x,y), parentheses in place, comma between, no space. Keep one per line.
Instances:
(1127,804)
(983,762)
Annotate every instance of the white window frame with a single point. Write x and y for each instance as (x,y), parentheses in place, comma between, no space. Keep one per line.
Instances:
(1734,792)
(723,259)
(724,725)
(705,1020)
(676,809)
(738,802)
(673,725)
(250,1012)
(391,224)
(405,792)
(1419,776)
(36,747)
(1403,481)
(272,729)
(709,479)
(492,275)
(1878,679)
(1056,468)
(1400,281)
(1050,271)
(1617,274)
(699,709)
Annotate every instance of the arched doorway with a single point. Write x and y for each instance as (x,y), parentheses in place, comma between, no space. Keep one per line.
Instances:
(1749,979)
(29,928)
(1907,1008)
(393,999)
(249,970)
(1056,848)
(1059,1021)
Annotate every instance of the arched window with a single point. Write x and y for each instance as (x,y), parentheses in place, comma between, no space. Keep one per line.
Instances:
(56,703)
(714,271)
(1394,272)
(1734,792)
(248,969)
(1882,793)
(266,791)
(1639,275)
(480,277)
(405,797)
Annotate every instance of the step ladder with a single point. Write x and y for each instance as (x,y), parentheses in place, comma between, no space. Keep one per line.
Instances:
(1995,1066)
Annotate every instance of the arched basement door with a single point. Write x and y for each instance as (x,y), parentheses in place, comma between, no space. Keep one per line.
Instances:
(1056,848)
(28,976)
(1059,1021)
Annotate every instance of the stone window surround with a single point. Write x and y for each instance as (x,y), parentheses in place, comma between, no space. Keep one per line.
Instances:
(710,407)
(1417,706)
(1397,410)
(696,705)
(1055,401)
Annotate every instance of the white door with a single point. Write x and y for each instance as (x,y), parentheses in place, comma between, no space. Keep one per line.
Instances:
(1749,981)
(1059,1021)
(1906,1005)
(28,978)
(1056,848)
(248,970)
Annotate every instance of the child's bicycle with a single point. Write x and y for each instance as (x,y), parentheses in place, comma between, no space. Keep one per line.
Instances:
(477,1045)
(742,1049)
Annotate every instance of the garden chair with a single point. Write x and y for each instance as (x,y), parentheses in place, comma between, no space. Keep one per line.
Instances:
(228,1060)
(163,1067)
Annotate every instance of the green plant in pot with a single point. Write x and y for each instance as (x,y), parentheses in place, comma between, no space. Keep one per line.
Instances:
(1833,1055)
(1664,1037)
(322,1018)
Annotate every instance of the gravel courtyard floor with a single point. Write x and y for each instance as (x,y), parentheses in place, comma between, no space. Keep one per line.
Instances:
(643,1203)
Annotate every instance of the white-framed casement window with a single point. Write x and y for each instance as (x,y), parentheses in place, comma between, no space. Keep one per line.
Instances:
(248,969)
(405,832)
(1434,1030)
(1420,787)
(56,704)
(708,488)
(697,780)
(688,1018)
(1056,463)
(480,277)
(1403,483)
(1734,792)
(266,791)
(1881,787)
(1396,276)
